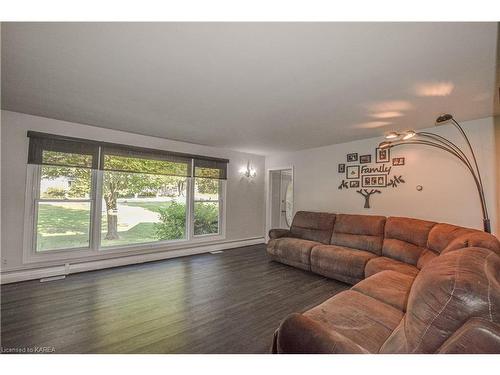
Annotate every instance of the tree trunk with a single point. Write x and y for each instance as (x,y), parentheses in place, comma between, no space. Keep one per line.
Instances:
(367,200)
(112,218)
(180,188)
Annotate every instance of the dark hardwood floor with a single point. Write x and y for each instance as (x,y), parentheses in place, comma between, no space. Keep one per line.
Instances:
(211,303)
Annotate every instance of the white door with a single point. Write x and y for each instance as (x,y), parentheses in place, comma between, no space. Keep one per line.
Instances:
(281,183)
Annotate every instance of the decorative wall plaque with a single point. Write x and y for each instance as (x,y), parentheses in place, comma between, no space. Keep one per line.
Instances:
(369,178)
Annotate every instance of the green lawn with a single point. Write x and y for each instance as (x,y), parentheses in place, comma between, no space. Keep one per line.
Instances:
(73,226)
(151,206)
(67,225)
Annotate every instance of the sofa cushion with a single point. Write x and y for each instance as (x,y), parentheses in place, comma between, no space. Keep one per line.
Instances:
(313,226)
(292,251)
(340,263)
(361,232)
(390,287)
(450,290)
(380,264)
(360,318)
(441,235)
(298,334)
(405,239)
(278,232)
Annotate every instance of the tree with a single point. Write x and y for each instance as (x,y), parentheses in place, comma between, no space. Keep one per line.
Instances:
(207,181)
(367,194)
(154,175)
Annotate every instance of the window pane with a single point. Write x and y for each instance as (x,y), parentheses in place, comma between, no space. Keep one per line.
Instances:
(65,183)
(206,218)
(206,189)
(62,225)
(65,158)
(139,165)
(209,172)
(140,208)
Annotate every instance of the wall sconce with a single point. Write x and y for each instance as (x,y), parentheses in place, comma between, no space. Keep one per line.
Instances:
(248,171)
(411,137)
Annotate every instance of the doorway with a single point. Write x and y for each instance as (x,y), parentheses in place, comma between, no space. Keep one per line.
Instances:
(281,197)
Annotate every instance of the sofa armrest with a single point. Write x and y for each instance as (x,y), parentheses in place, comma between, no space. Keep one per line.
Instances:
(476,336)
(475,239)
(277,233)
(299,334)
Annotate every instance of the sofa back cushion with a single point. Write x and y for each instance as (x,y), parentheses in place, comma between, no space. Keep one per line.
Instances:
(447,237)
(406,239)
(313,226)
(452,289)
(361,232)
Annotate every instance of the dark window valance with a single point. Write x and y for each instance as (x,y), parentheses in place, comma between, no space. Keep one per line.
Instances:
(210,169)
(66,153)
(50,149)
(122,159)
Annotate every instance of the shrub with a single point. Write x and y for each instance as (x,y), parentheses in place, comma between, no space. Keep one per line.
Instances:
(173,222)
(53,192)
(206,218)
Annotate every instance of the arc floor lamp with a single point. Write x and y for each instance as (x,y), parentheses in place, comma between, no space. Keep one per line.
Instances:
(412,137)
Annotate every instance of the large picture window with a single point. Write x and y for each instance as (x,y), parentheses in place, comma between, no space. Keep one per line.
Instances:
(98,196)
(63,208)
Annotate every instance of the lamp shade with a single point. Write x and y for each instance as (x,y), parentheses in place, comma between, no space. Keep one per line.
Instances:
(409,134)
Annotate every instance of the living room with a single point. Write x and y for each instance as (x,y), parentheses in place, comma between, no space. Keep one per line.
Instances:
(251,188)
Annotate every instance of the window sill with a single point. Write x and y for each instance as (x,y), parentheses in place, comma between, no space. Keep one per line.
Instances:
(117,251)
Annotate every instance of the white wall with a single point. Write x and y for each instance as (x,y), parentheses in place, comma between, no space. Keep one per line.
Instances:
(448,195)
(245,200)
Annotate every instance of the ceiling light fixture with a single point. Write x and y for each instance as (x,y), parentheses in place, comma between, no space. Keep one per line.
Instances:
(392,135)
(409,134)
(434,140)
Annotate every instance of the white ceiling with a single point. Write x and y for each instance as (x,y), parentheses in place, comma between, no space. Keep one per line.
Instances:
(257,87)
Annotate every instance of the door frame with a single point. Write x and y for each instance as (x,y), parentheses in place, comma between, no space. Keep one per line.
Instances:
(269,194)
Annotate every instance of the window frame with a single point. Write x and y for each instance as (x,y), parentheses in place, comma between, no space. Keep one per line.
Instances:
(31,255)
(219,201)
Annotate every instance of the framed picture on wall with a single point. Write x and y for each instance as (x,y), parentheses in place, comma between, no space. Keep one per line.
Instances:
(341,168)
(365,159)
(382,155)
(352,157)
(354,184)
(374,180)
(352,172)
(398,161)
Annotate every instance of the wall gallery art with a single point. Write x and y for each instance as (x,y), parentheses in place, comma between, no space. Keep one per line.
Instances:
(352,157)
(398,161)
(352,172)
(382,155)
(369,178)
(365,159)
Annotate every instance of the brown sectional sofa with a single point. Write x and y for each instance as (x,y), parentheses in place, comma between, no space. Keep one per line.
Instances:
(418,286)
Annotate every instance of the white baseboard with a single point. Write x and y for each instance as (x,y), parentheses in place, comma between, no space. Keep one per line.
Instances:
(68,268)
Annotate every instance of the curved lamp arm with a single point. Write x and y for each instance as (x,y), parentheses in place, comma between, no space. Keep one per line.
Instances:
(457,125)
(444,144)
